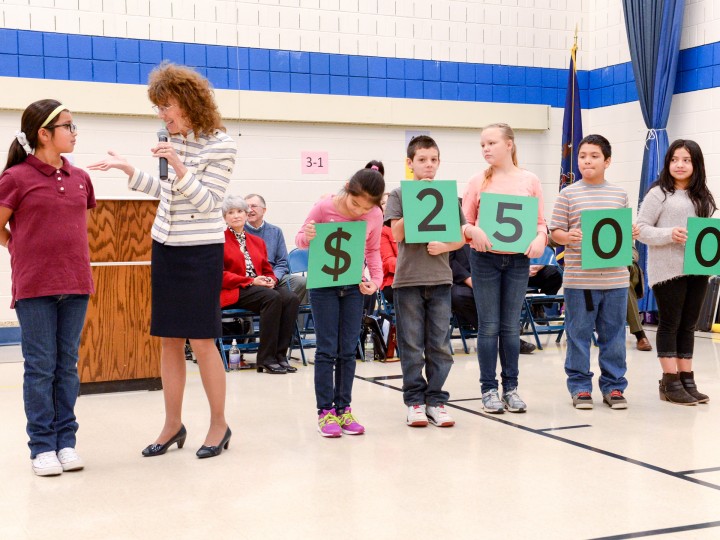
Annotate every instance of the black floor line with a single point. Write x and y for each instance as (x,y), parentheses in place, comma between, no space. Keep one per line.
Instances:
(564,427)
(699,471)
(498,418)
(383,378)
(657,532)
(466,399)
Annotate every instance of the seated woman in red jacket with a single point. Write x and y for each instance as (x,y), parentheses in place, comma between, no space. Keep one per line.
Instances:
(249,283)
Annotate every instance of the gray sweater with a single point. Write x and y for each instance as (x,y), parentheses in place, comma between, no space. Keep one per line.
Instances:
(659,214)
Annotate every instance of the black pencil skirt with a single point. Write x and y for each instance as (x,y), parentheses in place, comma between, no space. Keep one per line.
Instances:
(186,283)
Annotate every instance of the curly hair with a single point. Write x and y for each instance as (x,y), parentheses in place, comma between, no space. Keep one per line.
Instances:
(193,92)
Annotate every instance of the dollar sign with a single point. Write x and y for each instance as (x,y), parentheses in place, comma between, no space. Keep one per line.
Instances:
(338,253)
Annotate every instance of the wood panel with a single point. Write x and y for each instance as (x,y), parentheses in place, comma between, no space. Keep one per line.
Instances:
(116,349)
(119,231)
(116,344)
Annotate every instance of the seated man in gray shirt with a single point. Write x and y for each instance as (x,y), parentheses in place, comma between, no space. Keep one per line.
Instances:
(276,249)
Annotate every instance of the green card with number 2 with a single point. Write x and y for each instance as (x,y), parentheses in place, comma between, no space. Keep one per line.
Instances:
(509,221)
(337,254)
(431,211)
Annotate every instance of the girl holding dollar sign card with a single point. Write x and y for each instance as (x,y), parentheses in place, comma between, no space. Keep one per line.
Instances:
(679,193)
(337,311)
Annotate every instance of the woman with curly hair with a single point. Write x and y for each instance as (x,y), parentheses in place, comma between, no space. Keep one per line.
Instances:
(187,251)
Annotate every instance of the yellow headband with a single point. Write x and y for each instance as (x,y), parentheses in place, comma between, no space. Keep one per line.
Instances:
(53,114)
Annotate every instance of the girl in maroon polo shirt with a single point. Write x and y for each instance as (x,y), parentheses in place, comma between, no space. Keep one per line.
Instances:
(45,200)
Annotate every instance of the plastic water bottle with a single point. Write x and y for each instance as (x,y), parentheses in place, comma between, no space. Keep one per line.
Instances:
(234,354)
(369,348)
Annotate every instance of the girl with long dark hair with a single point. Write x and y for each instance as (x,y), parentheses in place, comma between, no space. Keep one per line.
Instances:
(679,193)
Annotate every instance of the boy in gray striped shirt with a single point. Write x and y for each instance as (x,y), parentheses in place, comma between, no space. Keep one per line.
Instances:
(595,300)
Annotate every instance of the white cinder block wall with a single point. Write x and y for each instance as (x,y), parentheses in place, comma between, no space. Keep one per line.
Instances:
(535,33)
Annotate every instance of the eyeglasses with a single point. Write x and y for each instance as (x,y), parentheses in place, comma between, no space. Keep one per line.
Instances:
(254,206)
(160,109)
(72,128)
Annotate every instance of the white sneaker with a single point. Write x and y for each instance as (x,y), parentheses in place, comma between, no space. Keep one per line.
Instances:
(416,416)
(69,460)
(438,415)
(46,464)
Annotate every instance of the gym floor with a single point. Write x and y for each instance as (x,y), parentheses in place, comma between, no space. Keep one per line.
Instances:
(553,472)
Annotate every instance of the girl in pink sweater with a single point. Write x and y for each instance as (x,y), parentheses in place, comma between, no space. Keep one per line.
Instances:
(499,279)
(337,311)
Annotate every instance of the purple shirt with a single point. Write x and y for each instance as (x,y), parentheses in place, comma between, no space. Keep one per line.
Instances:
(49,252)
(324,211)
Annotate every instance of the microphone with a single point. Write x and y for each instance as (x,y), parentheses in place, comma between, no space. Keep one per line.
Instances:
(162,135)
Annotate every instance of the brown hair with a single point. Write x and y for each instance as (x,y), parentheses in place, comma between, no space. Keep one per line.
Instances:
(32,118)
(193,92)
(366,182)
(509,135)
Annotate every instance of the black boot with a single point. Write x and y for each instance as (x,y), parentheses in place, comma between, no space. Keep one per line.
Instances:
(672,390)
(688,381)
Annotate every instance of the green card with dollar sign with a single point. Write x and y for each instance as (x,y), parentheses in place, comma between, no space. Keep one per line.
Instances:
(337,254)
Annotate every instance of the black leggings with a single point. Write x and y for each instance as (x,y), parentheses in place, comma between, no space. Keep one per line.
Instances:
(679,301)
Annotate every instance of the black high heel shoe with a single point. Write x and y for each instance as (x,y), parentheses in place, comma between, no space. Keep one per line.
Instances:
(271,368)
(288,367)
(212,451)
(159,449)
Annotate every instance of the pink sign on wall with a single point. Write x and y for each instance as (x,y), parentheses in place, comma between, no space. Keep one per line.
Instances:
(314,162)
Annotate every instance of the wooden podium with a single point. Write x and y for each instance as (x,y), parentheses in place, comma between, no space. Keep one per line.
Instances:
(117,352)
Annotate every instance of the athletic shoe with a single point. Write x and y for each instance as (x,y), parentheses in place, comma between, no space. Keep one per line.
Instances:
(69,459)
(512,401)
(416,416)
(438,416)
(328,425)
(491,402)
(46,464)
(582,400)
(348,424)
(615,400)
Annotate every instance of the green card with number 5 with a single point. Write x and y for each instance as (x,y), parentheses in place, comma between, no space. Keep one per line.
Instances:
(337,254)
(509,221)
(431,211)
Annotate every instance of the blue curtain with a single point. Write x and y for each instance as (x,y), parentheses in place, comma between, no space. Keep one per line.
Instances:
(653,29)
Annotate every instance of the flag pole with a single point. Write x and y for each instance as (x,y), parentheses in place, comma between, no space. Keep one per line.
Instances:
(573,55)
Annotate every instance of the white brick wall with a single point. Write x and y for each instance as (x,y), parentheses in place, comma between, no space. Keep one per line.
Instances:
(424,29)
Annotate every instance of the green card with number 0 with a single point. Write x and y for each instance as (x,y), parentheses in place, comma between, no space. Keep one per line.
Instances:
(606,238)
(337,254)
(509,221)
(431,211)
(702,250)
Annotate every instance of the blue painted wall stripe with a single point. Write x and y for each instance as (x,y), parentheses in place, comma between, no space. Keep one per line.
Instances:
(49,55)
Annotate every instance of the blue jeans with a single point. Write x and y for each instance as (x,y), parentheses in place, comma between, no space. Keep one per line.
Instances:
(499,287)
(50,328)
(337,314)
(608,318)
(423,333)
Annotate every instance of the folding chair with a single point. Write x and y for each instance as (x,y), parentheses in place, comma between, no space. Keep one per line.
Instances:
(298,264)
(464,332)
(246,341)
(532,324)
